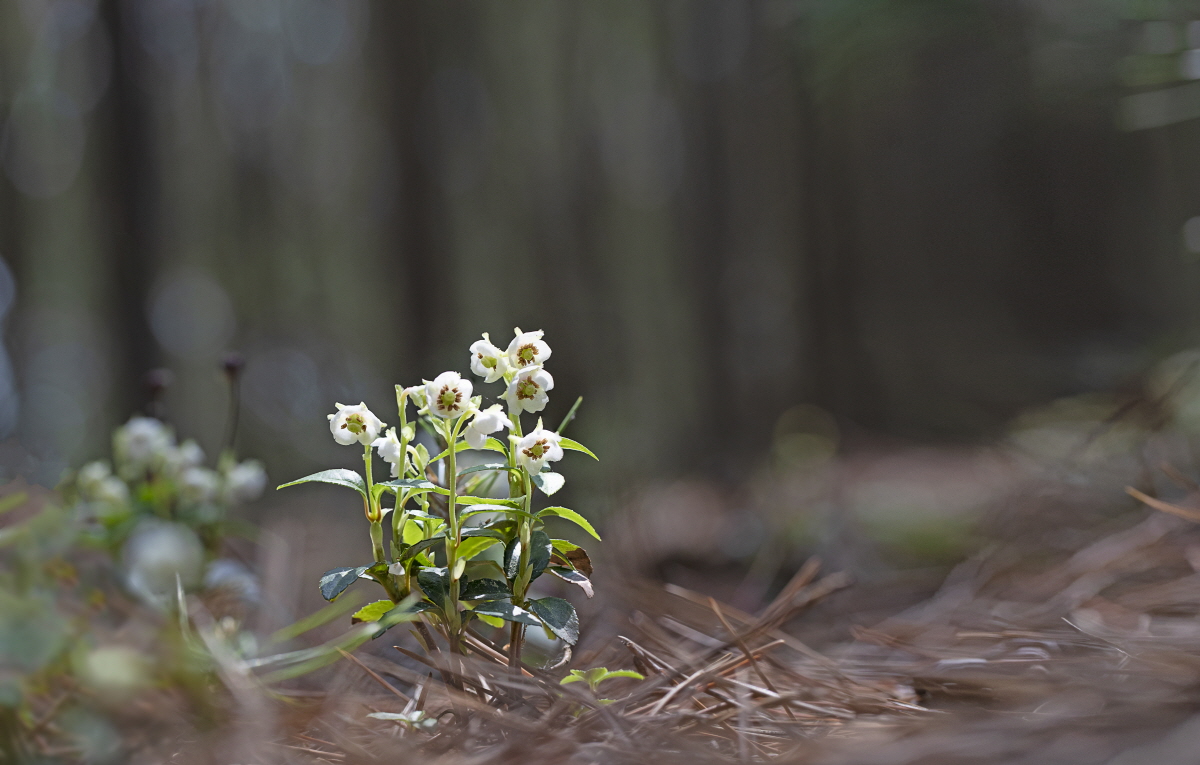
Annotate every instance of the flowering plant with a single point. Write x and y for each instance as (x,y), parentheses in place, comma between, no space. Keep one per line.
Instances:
(445,530)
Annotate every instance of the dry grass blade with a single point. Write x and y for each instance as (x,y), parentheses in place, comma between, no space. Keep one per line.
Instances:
(374,676)
(1166,507)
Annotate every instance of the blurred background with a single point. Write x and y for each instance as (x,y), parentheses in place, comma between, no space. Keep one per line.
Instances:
(755,233)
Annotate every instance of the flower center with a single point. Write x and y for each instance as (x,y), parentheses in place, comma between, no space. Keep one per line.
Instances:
(448,399)
(489,362)
(537,451)
(354,423)
(527,389)
(526,354)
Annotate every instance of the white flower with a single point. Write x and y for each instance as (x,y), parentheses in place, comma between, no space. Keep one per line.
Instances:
(199,484)
(354,423)
(488,361)
(538,448)
(109,490)
(448,395)
(389,447)
(527,391)
(92,474)
(245,481)
(484,422)
(527,350)
(142,442)
(186,455)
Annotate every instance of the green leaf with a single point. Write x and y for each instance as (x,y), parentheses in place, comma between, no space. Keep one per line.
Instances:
(372,612)
(515,503)
(419,484)
(559,615)
(485,589)
(495,445)
(489,466)
(336,580)
(492,621)
(540,550)
(421,515)
(337,476)
(477,509)
(549,482)
(575,446)
(435,583)
(502,609)
(564,546)
(572,576)
(611,674)
(482,531)
(420,547)
(571,515)
(469,548)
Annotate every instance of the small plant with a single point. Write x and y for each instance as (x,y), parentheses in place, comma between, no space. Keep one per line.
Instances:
(593,677)
(445,529)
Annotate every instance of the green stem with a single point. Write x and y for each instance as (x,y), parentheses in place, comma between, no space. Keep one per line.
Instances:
(522,580)
(452,538)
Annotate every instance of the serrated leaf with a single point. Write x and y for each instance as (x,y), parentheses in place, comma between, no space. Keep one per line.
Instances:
(491,621)
(477,509)
(564,545)
(335,581)
(515,503)
(337,476)
(420,547)
(482,531)
(469,548)
(435,583)
(540,550)
(572,576)
(503,609)
(372,612)
(488,466)
(421,515)
(572,516)
(575,446)
(549,482)
(420,484)
(559,615)
(485,589)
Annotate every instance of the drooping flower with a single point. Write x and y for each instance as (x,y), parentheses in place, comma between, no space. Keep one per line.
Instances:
(110,490)
(186,455)
(416,394)
(390,450)
(354,423)
(537,448)
(527,350)
(448,395)
(484,422)
(488,361)
(92,473)
(245,481)
(527,391)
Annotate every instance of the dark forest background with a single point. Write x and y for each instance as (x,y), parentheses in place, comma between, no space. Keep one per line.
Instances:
(916,216)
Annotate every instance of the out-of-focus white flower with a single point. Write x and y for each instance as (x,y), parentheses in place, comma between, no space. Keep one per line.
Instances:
(390,450)
(448,395)
(416,394)
(527,350)
(484,422)
(245,481)
(180,458)
(488,361)
(537,448)
(110,490)
(354,423)
(527,391)
(140,443)
(91,474)
(156,553)
(199,484)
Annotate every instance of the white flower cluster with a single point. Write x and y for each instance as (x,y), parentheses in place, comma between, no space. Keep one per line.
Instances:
(448,396)
(145,447)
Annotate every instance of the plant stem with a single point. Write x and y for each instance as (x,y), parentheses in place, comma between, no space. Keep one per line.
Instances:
(521,582)
(452,538)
